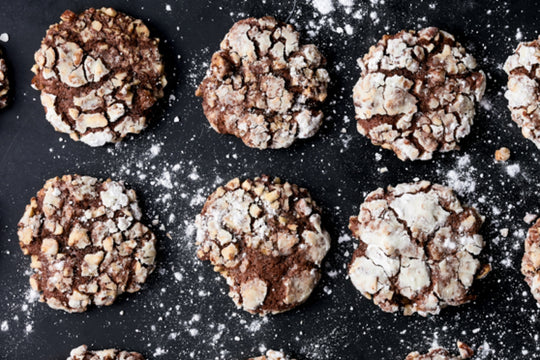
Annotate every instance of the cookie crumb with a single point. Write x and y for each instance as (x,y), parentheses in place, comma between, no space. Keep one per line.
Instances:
(529,218)
(502,154)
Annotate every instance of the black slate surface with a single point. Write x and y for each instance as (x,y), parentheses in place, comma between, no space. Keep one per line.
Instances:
(183,312)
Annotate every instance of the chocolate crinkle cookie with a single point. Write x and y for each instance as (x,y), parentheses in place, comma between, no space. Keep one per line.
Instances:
(264,86)
(82,353)
(272,355)
(265,238)
(523,94)
(438,353)
(99,73)
(418,249)
(417,93)
(4,82)
(86,242)
(530,264)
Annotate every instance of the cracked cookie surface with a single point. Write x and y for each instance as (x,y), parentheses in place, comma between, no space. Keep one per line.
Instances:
(99,73)
(265,238)
(418,248)
(417,93)
(530,264)
(272,355)
(82,353)
(465,352)
(264,86)
(4,82)
(86,242)
(523,94)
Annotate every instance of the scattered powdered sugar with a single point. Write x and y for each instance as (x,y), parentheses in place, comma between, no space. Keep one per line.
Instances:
(323,6)
(512,170)
(519,34)
(462,178)
(184,311)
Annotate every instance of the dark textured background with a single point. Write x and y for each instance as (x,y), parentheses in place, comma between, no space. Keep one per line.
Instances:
(184,312)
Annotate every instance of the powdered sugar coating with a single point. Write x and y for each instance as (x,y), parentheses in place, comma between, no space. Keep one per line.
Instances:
(438,353)
(523,90)
(418,248)
(266,239)
(417,93)
(82,353)
(264,86)
(86,242)
(99,72)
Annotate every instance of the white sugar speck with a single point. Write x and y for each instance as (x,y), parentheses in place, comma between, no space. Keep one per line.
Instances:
(155,150)
(512,170)
(4,37)
(323,6)
(159,351)
(519,34)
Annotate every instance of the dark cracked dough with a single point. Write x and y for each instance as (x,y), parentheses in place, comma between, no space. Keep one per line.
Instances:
(417,93)
(530,264)
(465,352)
(263,86)
(82,353)
(266,239)
(86,242)
(523,94)
(4,82)
(99,73)
(418,248)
